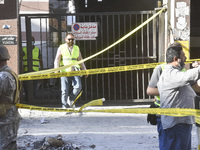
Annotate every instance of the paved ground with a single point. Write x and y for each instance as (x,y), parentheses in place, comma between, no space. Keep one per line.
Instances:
(98,131)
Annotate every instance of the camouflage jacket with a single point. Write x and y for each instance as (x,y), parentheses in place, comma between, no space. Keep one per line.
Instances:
(9,122)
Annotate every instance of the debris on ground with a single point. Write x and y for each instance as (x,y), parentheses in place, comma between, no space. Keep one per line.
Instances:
(89,131)
(53,143)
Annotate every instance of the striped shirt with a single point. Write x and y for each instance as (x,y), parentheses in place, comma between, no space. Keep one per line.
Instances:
(176,92)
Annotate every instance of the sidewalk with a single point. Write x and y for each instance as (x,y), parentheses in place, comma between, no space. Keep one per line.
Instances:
(98,131)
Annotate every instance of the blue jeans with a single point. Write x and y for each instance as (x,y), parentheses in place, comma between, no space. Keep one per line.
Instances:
(66,83)
(161,135)
(179,137)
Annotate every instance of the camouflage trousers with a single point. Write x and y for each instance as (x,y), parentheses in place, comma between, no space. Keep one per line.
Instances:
(8,135)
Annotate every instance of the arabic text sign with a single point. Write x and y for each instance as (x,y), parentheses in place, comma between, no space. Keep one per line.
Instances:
(85,30)
(8,40)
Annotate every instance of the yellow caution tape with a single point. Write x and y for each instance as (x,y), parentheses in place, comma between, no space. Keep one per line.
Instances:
(191,61)
(95,71)
(92,103)
(45,74)
(102,51)
(77,97)
(31,107)
(89,71)
(177,112)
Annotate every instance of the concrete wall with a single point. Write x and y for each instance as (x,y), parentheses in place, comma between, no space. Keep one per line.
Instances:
(8,17)
(114,5)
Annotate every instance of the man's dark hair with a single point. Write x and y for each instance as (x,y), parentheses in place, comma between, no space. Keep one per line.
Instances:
(33,39)
(69,34)
(174,50)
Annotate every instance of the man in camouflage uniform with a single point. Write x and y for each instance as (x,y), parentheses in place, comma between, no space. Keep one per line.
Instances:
(9,116)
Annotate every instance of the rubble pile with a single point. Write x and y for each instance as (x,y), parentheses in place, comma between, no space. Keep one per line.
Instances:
(54,143)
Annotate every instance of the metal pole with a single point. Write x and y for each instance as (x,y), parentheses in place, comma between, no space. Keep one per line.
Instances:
(161,37)
(197,106)
(29,56)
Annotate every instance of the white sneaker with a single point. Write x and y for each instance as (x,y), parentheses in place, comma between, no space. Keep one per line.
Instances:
(73,106)
(70,104)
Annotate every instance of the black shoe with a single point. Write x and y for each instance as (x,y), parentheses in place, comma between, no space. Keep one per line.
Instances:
(65,106)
